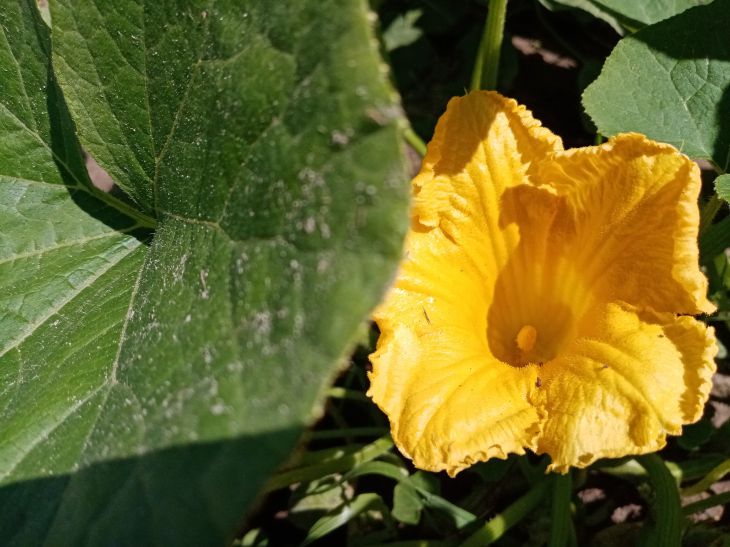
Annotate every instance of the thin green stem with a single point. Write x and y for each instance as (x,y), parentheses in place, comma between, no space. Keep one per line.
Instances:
(666,528)
(713,205)
(701,505)
(708,212)
(717,473)
(498,526)
(682,471)
(532,474)
(346,462)
(486,66)
(562,522)
(414,140)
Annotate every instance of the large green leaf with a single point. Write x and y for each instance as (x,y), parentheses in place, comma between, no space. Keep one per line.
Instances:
(628,14)
(646,12)
(671,81)
(588,6)
(152,382)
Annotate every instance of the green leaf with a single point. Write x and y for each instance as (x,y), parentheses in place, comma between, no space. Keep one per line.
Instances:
(310,501)
(587,6)
(646,12)
(697,434)
(344,514)
(671,81)
(407,503)
(403,30)
(722,187)
(151,386)
(335,465)
(628,14)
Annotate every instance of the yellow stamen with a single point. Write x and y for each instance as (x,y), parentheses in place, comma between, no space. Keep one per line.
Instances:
(526,338)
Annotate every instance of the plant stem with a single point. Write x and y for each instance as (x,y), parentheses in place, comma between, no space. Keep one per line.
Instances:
(498,526)
(414,140)
(560,527)
(708,480)
(666,529)
(710,209)
(701,505)
(346,462)
(708,212)
(486,66)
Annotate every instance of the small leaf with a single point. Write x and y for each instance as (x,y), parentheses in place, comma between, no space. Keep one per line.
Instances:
(403,30)
(343,515)
(407,503)
(309,501)
(722,187)
(671,81)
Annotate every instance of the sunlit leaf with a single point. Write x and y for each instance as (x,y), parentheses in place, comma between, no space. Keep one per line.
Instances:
(671,81)
(646,12)
(149,374)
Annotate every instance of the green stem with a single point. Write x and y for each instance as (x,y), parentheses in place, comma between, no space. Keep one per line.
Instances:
(498,526)
(666,529)
(682,471)
(708,212)
(560,527)
(486,66)
(701,505)
(708,480)
(414,140)
(346,462)
(710,209)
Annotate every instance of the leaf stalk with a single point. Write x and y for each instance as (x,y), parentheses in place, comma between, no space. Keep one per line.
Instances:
(486,66)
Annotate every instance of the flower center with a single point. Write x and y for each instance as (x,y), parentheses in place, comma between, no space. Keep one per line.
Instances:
(529,335)
(526,338)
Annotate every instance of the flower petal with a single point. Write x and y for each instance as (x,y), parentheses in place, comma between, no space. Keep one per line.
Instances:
(628,380)
(632,213)
(450,402)
(483,144)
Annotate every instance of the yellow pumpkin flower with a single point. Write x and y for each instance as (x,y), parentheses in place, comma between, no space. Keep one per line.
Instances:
(545,297)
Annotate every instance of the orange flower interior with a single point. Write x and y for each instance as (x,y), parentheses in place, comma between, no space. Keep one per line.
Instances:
(544,297)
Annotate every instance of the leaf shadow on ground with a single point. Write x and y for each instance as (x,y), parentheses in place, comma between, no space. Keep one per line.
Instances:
(100,505)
